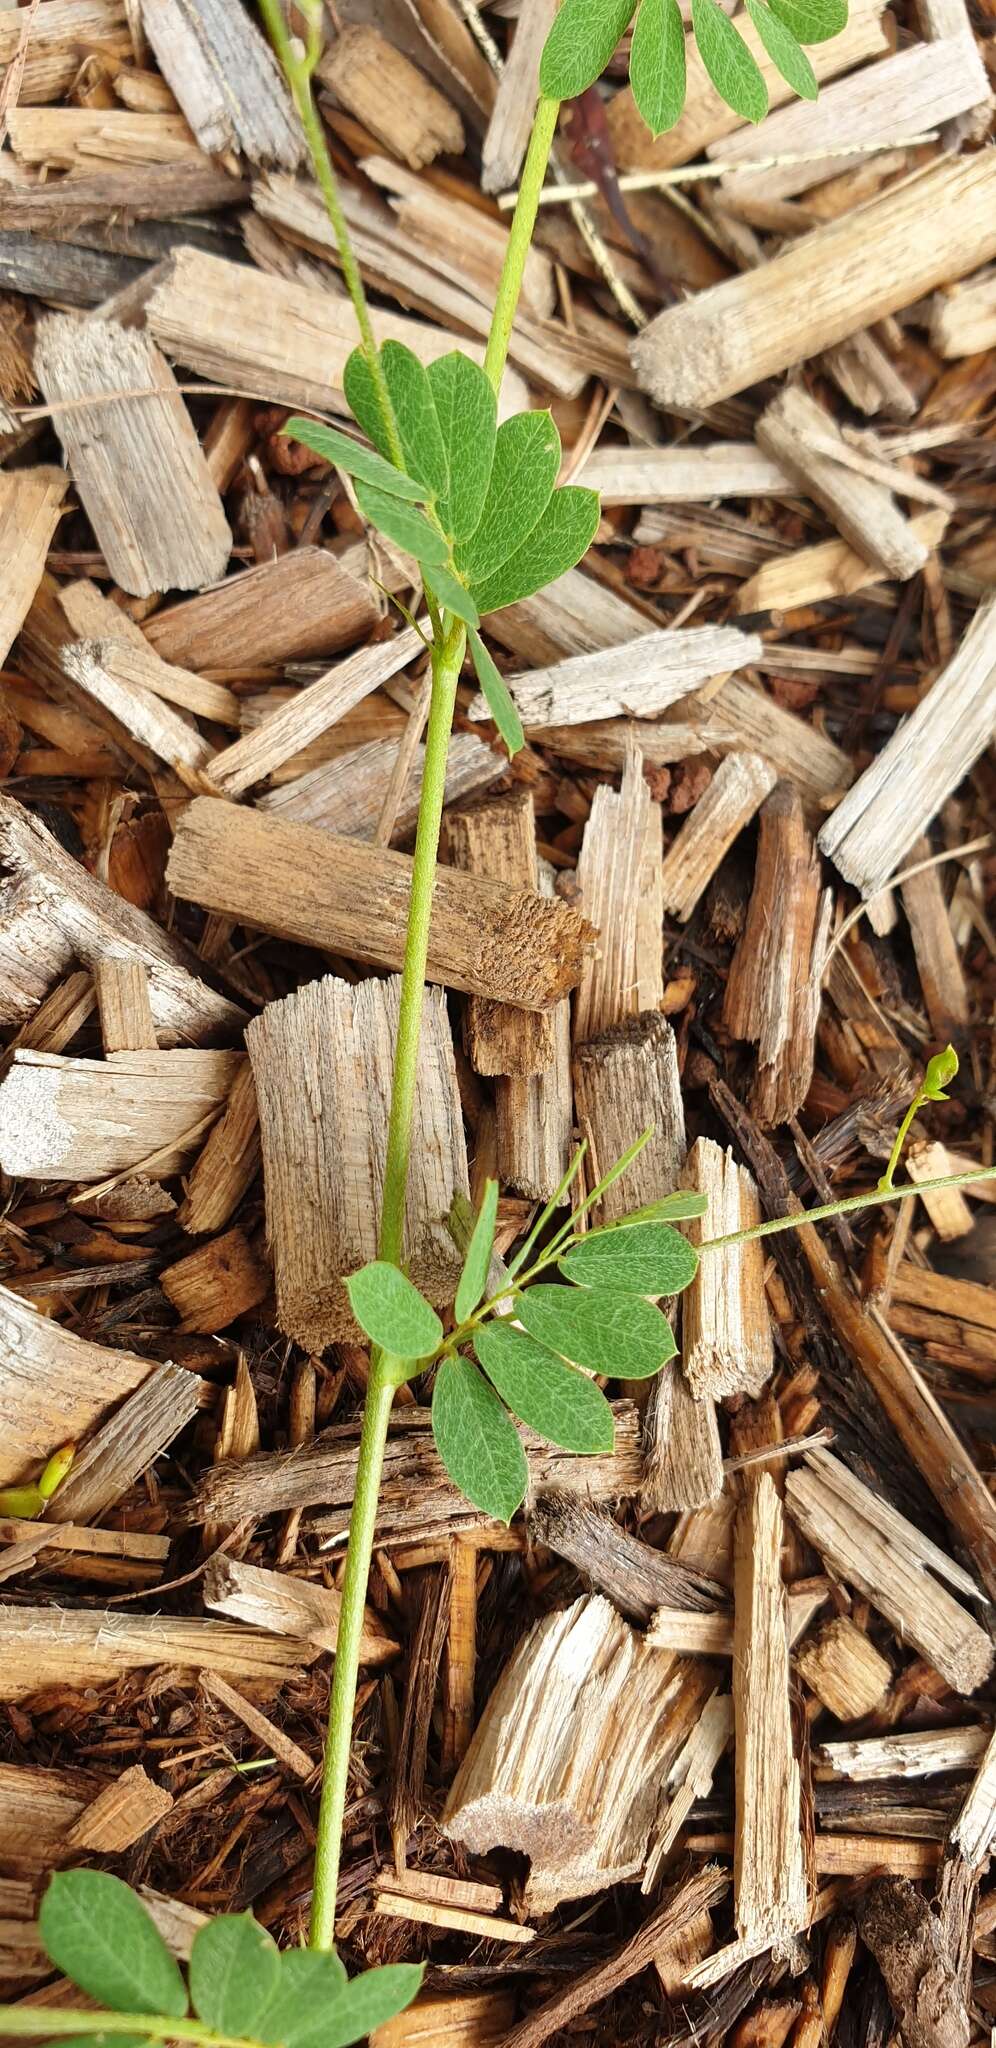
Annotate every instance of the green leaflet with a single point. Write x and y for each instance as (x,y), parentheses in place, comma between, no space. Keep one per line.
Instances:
(467,410)
(310,1984)
(657,63)
(734,73)
(478,1444)
(644,1258)
(355,461)
(415,412)
(618,1334)
(565,534)
(234,1973)
(523,474)
(552,1398)
(497,695)
(404,524)
(580,44)
(812,21)
(363,402)
(451,594)
(676,1208)
(940,1070)
(783,50)
(98,1933)
(474,1278)
(392,1312)
(367,2002)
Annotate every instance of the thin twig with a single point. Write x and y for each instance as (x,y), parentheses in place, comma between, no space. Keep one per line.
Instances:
(691,174)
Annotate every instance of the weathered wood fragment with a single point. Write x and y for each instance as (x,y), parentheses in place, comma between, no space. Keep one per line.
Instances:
(289,1606)
(129,1441)
(680,476)
(126,1020)
(806,439)
(55,1386)
(919,1754)
(212,1286)
(773,991)
(346,795)
(474,2019)
(225,78)
(942,977)
(974,1830)
(499,839)
(507,135)
(133,664)
(145,192)
(69,1119)
(636,680)
(769,1880)
(534,1114)
(963,319)
(844,1670)
(300,605)
(81,1647)
(726,1345)
(120,1814)
(226,1168)
(624,975)
(684,1459)
(58,28)
(905,1938)
(738,788)
(638,1578)
(30,510)
(295,725)
(170,734)
(272,1740)
(830,569)
(391,97)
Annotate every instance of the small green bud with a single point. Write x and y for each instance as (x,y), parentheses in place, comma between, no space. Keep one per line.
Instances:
(940,1070)
(57,1469)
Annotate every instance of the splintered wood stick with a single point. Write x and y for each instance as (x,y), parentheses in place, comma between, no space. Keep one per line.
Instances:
(923,1753)
(684,1463)
(963,320)
(126,1021)
(638,1578)
(132,1438)
(534,1113)
(30,510)
(76,1120)
(54,1386)
(322,1225)
(936,227)
(625,1082)
(215,1284)
(896,1923)
(300,605)
(296,724)
(132,663)
(726,1345)
(712,1635)
(461,1652)
(773,991)
(929,754)
(938,962)
(499,839)
(844,1670)
(344,897)
(172,735)
(974,1830)
(226,1168)
(390,96)
(137,463)
(769,1880)
(225,78)
(52,58)
(736,791)
(475,2019)
(636,680)
(119,1815)
(691,1779)
(947,1208)
(624,975)
(801,434)
(82,1647)
(347,794)
(431,1913)
(507,135)
(288,1606)
(678,476)
(286,1752)
(830,569)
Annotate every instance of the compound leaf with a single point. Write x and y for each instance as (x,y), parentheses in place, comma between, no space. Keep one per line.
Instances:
(734,72)
(478,1443)
(783,50)
(565,533)
(580,44)
(474,1277)
(646,1258)
(451,594)
(523,474)
(392,1312)
(415,412)
(467,410)
(98,1933)
(402,523)
(234,1972)
(618,1334)
(657,63)
(497,695)
(552,1398)
(812,21)
(310,1984)
(356,461)
(367,2002)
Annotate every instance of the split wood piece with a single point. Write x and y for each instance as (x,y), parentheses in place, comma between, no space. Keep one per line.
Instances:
(38,1808)
(477,2019)
(690,1779)
(322,1223)
(30,510)
(929,754)
(217,1283)
(507,135)
(125,1445)
(69,1540)
(937,227)
(931,82)
(638,1578)
(375,82)
(942,1294)
(272,1739)
(896,1923)
(428,224)
(132,664)
(310,713)
(567,1760)
(682,476)
(963,320)
(947,1208)
(769,1879)
(66,1119)
(152,192)
(79,1648)
(684,1457)
(54,1386)
(224,76)
(738,716)
(923,1753)
(499,839)
(830,569)
(172,735)
(300,605)
(845,1671)
(636,680)
(225,1170)
(624,975)
(136,461)
(974,1830)
(938,962)
(805,438)
(738,788)
(346,794)
(773,991)
(126,1021)
(459,1919)
(442,1891)
(712,1635)
(79,138)
(120,1815)
(288,1606)
(344,897)
(534,1115)
(625,1082)
(886,1558)
(726,1345)
(417,1499)
(58,29)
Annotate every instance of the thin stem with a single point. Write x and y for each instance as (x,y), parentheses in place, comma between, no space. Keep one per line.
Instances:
(519,238)
(847,1207)
(26,2021)
(901,1135)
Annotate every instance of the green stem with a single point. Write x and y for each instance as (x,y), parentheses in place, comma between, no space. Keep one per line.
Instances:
(896,1154)
(847,1207)
(519,238)
(26,2021)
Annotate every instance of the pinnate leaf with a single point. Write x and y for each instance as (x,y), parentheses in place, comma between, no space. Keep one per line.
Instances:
(552,1398)
(402,523)
(234,1972)
(783,50)
(523,474)
(812,21)
(474,1277)
(392,1312)
(98,1933)
(580,44)
(618,1334)
(657,63)
(497,695)
(479,1445)
(565,533)
(310,1984)
(734,72)
(467,411)
(647,1258)
(415,413)
(356,461)
(452,595)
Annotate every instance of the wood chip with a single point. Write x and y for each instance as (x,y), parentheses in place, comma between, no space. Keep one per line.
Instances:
(65,1119)
(736,791)
(225,78)
(30,510)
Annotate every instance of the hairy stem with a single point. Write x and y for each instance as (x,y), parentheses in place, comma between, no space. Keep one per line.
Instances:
(520,237)
(847,1207)
(26,2021)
